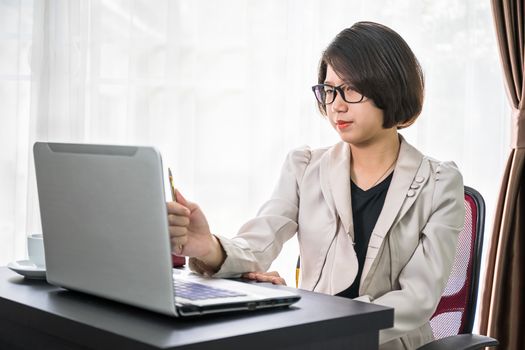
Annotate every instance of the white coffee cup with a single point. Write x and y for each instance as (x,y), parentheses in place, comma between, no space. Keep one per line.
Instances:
(35,249)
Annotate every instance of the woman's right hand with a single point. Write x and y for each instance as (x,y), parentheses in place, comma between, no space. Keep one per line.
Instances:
(190,234)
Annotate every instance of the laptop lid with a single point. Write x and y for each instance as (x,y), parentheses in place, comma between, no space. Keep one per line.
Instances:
(105,227)
(103,212)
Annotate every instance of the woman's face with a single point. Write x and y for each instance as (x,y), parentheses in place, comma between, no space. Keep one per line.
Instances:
(358,124)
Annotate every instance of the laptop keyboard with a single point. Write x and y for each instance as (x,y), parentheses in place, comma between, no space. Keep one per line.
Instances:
(197,291)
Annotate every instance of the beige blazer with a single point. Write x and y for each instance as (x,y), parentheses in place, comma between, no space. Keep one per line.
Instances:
(411,248)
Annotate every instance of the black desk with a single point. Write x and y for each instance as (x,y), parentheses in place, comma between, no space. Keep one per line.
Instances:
(36,315)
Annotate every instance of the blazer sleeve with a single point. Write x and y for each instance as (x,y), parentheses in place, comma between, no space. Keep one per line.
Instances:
(261,239)
(424,277)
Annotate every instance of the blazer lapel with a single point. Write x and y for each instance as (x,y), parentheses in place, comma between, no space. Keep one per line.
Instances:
(335,184)
(399,195)
(334,176)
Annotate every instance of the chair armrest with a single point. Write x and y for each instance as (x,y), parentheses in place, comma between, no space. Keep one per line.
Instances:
(461,342)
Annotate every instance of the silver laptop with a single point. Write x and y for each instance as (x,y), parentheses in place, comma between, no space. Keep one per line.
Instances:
(105,227)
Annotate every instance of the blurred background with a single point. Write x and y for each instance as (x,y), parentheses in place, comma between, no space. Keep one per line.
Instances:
(222,89)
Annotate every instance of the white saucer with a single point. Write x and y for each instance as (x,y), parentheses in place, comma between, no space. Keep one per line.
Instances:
(28,269)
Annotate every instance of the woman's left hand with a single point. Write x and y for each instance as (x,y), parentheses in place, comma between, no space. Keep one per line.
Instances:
(272,277)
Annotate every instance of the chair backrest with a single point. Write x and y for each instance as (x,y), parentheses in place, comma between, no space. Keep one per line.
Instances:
(457,307)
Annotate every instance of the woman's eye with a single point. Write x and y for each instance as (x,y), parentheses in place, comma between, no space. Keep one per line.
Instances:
(329,91)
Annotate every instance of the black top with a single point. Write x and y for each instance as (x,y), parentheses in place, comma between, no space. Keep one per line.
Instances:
(366,207)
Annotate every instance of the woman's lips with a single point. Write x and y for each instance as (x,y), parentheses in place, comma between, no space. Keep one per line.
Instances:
(341,124)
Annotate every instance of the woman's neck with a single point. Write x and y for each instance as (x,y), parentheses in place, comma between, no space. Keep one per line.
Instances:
(373,162)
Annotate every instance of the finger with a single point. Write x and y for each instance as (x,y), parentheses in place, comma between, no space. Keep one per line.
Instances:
(272,273)
(178,220)
(180,198)
(249,275)
(264,278)
(177,209)
(177,244)
(177,231)
(271,277)
(253,275)
(177,250)
(279,281)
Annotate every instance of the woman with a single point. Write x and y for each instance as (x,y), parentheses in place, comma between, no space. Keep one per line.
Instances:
(376,220)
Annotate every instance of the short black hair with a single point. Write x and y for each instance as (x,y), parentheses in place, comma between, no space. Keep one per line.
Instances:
(378,63)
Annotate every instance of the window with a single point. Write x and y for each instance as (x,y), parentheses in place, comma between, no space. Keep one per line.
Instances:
(198,80)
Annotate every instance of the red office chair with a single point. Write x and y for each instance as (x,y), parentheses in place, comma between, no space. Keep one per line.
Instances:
(454,317)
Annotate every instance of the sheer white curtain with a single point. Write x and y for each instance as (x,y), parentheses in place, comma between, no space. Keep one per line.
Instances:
(222,88)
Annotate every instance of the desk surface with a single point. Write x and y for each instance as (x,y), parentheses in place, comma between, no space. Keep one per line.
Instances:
(51,314)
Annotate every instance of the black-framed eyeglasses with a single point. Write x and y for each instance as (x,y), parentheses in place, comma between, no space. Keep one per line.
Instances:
(326,94)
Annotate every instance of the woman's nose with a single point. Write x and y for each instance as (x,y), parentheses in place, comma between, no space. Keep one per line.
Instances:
(339,105)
